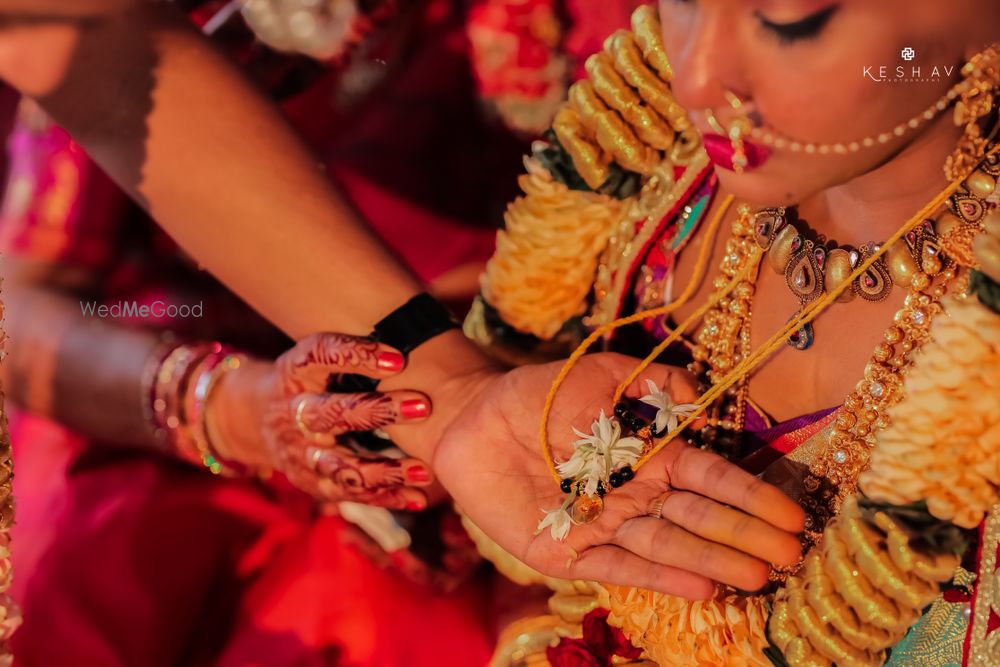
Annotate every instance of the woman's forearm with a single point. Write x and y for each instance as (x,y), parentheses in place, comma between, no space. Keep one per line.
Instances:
(83,372)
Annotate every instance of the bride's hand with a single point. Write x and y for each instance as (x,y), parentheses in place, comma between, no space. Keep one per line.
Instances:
(279,415)
(718,524)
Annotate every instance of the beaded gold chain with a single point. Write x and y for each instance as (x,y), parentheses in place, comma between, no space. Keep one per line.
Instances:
(978,75)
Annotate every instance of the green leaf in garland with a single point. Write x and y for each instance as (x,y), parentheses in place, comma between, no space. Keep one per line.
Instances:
(621,184)
(986,289)
(929,533)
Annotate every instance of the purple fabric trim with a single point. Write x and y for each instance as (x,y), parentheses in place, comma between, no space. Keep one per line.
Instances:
(756,428)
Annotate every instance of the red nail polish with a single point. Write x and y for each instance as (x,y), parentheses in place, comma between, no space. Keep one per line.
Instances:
(415,408)
(390,360)
(415,506)
(418,475)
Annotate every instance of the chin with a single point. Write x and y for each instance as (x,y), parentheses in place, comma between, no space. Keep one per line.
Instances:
(779,182)
(758,188)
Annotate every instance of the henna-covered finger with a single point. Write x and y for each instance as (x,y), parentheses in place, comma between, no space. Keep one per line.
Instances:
(308,365)
(333,414)
(376,471)
(374,480)
(348,486)
(373,472)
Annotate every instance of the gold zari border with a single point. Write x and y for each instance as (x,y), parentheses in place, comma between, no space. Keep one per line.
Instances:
(984,646)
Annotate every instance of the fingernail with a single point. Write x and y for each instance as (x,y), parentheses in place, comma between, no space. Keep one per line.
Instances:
(415,506)
(414,408)
(390,360)
(418,474)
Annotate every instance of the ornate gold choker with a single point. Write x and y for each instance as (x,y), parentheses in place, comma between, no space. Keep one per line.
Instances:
(809,266)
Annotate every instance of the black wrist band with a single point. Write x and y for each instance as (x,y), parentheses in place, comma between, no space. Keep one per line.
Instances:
(414,323)
(411,325)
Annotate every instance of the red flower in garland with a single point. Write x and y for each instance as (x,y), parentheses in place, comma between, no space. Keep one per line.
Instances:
(517,60)
(599,644)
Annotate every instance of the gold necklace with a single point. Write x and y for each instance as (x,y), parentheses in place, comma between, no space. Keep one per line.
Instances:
(722,342)
(810,266)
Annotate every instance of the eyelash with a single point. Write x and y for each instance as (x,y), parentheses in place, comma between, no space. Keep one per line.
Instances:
(788,34)
(800,31)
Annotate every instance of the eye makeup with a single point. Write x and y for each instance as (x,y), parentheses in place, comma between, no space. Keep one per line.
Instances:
(802,30)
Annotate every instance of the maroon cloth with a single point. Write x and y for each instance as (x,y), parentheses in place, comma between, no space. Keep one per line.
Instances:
(598,646)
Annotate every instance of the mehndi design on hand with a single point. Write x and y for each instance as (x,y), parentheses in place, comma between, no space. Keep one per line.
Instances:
(305,424)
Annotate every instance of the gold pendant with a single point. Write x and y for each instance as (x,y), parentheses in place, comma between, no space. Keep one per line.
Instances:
(586,509)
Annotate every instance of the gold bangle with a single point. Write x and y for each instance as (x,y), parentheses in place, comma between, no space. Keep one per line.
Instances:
(147,386)
(199,394)
(171,384)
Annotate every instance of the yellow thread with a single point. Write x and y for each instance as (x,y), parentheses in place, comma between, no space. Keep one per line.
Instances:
(694,317)
(598,333)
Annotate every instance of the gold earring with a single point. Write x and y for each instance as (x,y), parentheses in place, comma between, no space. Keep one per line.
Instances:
(979,93)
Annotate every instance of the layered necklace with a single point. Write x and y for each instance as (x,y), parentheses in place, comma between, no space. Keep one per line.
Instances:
(923,255)
(722,343)
(722,352)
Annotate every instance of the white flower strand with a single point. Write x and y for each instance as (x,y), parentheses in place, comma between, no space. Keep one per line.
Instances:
(597,455)
(668,413)
(558,520)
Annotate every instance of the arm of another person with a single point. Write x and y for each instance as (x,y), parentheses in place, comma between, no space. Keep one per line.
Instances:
(180,129)
(91,375)
(70,367)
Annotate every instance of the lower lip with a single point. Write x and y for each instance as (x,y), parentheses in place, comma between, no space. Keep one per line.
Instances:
(721,152)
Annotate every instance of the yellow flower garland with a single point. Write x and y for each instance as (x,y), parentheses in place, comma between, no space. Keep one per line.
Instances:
(728,630)
(943,446)
(624,112)
(546,256)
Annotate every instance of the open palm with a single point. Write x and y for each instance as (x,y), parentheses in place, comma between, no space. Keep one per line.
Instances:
(718,522)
